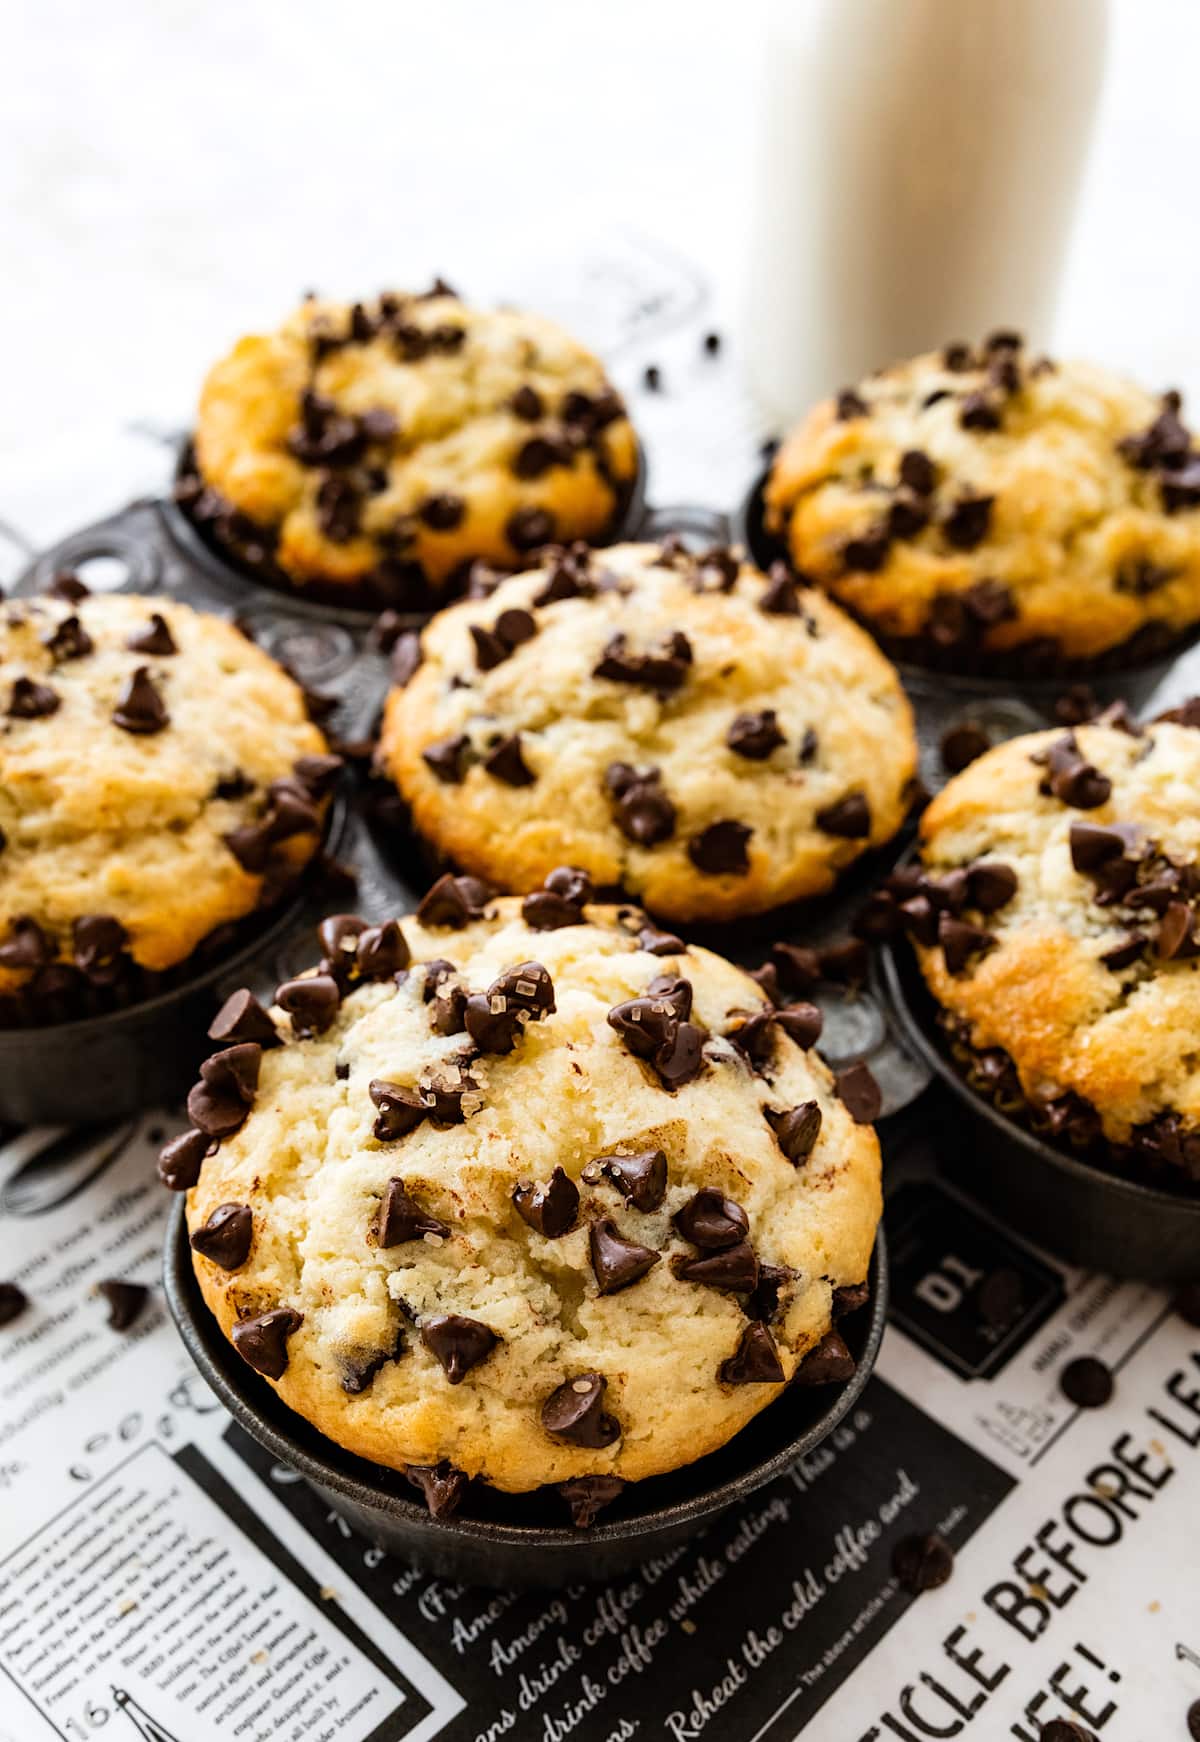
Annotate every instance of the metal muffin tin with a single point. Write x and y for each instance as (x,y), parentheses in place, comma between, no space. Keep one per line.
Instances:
(522,1540)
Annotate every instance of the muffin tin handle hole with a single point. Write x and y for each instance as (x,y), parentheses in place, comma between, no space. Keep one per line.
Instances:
(106,561)
(697,526)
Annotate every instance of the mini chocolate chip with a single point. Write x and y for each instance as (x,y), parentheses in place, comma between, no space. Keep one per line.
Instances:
(550,1210)
(457,1343)
(70,640)
(720,849)
(755,735)
(733,1269)
(644,813)
(574,1412)
(992,883)
(126,1302)
(13,1302)
(447,758)
(97,940)
(529,527)
(226,1237)
(966,524)
(442,513)
(848,817)
(180,1160)
(921,1563)
(663,668)
(796,1129)
(660,943)
(780,597)
(850,404)
(401,1110)
(220,1102)
(453,902)
(961,941)
(802,1023)
(1086,1382)
(441,1484)
(859,1093)
(405,659)
(155,638)
(383,951)
(32,701)
(312,1002)
(507,763)
(587,1496)
(616,1262)
(139,706)
(262,1341)
(527,404)
(242,1017)
(755,1361)
(962,744)
(711,1220)
(640,1178)
(401,1218)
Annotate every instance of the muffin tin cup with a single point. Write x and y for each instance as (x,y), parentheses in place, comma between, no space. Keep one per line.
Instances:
(239,580)
(1099,1220)
(521,1540)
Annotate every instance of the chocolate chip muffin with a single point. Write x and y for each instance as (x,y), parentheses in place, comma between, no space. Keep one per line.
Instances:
(1056,917)
(371,452)
(712,740)
(526,1191)
(159,780)
(982,509)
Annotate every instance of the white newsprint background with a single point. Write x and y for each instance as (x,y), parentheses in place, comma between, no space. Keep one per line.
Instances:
(171,173)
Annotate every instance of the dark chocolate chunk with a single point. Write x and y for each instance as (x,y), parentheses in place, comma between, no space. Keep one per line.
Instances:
(220,1102)
(764,1300)
(551,1209)
(401,1218)
(587,1496)
(401,1110)
(859,1093)
(529,527)
(664,668)
(442,513)
(720,849)
(180,1160)
(1086,1382)
(447,758)
(755,1361)
(70,640)
(32,701)
(155,638)
(796,1129)
(574,1412)
(660,943)
(755,735)
(733,1268)
(262,1341)
(960,941)
(850,1298)
(921,1563)
(13,1302)
(453,901)
(242,1017)
(641,1178)
(457,1343)
(405,658)
(711,1220)
(992,883)
(383,951)
(97,940)
(126,1302)
(312,1002)
(507,763)
(829,1363)
(966,524)
(644,813)
(139,707)
(617,1262)
(848,817)
(441,1484)
(227,1236)
(802,1023)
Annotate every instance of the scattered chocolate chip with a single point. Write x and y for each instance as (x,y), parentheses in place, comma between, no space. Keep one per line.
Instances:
(32,701)
(139,706)
(755,735)
(720,849)
(312,1002)
(1086,1382)
(859,1093)
(574,1412)
(447,758)
(126,1302)
(711,1220)
(617,1262)
(226,1237)
(262,1341)
(992,883)
(733,1269)
(242,1017)
(401,1218)
(848,817)
(967,522)
(457,1343)
(453,902)
(921,1563)
(441,1484)
(220,1102)
(507,763)
(587,1496)
(13,1302)
(663,668)
(644,813)
(155,638)
(640,1178)
(796,1129)
(550,1210)
(755,1361)
(529,527)
(442,513)
(405,659)
(70,640)
(97,940)
(180,1160)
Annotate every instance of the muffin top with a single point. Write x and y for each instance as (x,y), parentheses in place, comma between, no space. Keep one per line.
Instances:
(966,504)
(158,778)
(712,741)
(528,1204)
(1059,921)
(387,444)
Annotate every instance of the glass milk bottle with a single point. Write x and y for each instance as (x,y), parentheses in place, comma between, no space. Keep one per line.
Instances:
(917,170)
